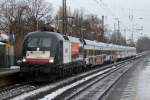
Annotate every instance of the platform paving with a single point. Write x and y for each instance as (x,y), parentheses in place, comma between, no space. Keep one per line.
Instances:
(134,85)
(9,71)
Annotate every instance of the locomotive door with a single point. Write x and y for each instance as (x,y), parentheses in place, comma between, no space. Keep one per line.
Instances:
(66,52)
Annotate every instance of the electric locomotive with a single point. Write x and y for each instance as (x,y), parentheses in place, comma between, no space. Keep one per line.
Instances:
(49,51)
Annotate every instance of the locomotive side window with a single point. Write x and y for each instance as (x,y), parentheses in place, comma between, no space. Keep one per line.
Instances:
(59,53)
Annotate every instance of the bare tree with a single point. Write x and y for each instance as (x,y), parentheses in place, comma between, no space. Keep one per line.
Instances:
(59,20)
(80,25)
(117,38)
(22,16)
(38,10)
(143,44)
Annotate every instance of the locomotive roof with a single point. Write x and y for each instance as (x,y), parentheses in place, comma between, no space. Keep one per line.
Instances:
(45,33)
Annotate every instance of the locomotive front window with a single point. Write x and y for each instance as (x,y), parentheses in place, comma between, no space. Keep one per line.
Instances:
(46,42)
(38,42)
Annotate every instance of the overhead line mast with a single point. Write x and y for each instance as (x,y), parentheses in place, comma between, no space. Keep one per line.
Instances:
(64,19)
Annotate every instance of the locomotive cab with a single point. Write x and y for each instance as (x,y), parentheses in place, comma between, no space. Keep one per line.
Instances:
(40,49)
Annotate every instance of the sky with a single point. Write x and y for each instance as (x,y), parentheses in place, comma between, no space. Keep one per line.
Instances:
(114,10)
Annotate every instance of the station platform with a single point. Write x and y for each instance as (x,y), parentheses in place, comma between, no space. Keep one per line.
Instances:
(9,71)
(135,84)
(9,76)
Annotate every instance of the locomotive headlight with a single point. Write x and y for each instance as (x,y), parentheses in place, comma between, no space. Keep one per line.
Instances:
(51,60)
(23,60)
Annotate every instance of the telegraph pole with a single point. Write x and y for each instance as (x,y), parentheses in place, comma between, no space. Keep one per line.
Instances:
(102,34)
(114,27)
(132,30)
(118,26)
(125,36)
(115,33)
(131,18)
(64,23)
(118,33)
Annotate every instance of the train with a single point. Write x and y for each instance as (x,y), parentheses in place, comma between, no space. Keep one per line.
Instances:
(48,52)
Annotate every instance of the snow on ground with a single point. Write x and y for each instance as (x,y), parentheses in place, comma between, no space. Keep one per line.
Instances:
(56,92)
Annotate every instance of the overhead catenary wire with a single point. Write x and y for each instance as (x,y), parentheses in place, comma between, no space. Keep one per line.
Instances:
(105,7)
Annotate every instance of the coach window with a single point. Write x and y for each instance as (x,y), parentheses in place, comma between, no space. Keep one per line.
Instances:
(91,52)
(81,50)
(88,52)
(103,52)
(85,53)
(99,52)
(96,52)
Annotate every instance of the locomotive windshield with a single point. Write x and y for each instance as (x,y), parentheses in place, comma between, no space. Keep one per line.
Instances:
(38,42)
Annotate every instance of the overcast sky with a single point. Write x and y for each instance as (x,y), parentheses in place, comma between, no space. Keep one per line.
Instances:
(112,9)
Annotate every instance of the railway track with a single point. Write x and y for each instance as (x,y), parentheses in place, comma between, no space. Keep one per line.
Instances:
(59,89)
(89,87)
(17,89)
(72,85)
(96,88)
